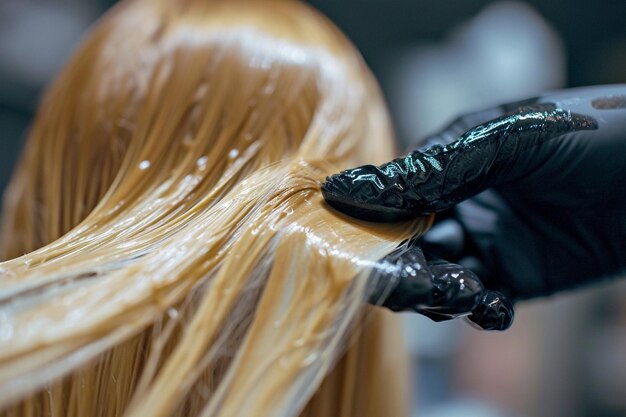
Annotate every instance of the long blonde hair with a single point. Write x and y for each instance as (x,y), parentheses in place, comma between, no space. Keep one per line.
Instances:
(169,250)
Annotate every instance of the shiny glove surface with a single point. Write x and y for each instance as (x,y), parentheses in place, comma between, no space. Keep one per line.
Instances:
(531,196)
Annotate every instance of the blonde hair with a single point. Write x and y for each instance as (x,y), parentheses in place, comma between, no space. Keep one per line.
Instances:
(170,252)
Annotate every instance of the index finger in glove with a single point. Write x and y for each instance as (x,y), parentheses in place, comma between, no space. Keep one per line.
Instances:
(436,178)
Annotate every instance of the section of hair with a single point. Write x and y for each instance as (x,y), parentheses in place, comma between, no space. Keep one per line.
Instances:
(170,252)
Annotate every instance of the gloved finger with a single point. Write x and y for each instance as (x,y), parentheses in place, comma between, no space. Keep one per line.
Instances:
(434,179)
(402,280)
(405,281)
(493,312)
(457,290)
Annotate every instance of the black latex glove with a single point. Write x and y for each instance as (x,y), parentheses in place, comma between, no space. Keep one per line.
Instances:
(542,192)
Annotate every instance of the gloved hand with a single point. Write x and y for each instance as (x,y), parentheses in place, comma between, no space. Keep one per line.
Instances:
(542,192)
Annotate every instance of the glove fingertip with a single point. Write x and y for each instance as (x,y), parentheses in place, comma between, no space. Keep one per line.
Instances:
(494,312)
(370,193)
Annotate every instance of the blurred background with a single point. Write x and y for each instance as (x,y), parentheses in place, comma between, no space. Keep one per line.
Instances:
(435,60)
